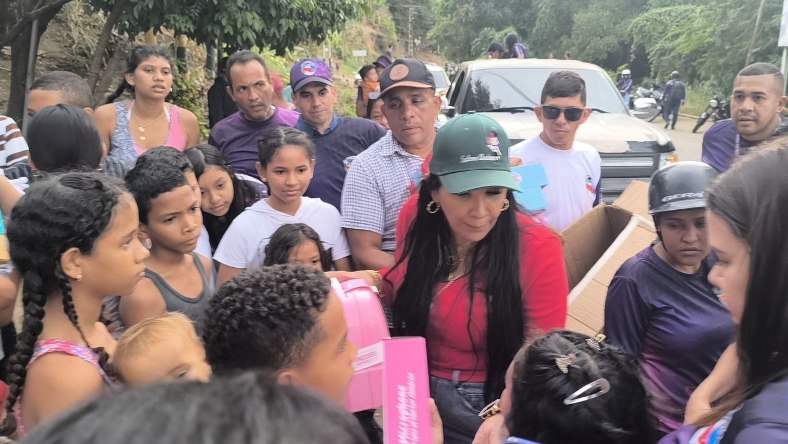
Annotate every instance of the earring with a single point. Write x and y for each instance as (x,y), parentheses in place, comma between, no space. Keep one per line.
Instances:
(433,207)
(505,205)
(170,89)
(79,278)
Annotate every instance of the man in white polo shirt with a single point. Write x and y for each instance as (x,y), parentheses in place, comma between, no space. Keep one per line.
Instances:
(573,169)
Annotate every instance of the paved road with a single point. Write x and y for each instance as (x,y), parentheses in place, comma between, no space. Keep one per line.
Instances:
(687,144)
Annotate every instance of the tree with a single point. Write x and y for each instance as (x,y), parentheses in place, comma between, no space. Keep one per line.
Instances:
(277,24)
(458,23)
(16,29)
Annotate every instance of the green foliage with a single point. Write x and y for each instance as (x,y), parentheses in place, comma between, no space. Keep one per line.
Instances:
(185,94)
(458,23)
(278,24)
(705,40)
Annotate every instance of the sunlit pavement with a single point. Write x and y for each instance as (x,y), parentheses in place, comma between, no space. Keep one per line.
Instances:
(687,144)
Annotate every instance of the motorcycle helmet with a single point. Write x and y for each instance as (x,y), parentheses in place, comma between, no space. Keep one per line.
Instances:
(626,72)
(679,186)
(674,75)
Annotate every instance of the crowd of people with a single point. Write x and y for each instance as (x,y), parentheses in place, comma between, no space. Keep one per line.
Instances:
(145,258)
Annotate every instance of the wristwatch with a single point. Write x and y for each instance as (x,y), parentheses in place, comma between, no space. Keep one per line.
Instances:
(490,410)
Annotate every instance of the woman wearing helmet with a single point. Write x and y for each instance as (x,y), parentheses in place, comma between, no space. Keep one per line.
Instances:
(661,308)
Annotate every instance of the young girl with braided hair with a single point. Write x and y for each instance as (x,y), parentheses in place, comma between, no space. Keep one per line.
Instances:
(74,240)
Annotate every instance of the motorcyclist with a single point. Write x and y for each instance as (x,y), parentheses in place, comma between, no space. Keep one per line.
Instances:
(624,85)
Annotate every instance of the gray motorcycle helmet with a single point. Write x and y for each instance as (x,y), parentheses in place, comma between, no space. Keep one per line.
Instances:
(679,186)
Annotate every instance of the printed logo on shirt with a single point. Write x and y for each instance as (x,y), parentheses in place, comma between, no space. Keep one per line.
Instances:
(493,143)
(308,68)
(347,161)
(590,185)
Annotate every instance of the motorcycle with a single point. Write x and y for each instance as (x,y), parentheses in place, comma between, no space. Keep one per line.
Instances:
(646,103)
(717,109)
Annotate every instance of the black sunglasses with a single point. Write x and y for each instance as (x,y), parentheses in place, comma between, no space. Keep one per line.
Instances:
(571,114)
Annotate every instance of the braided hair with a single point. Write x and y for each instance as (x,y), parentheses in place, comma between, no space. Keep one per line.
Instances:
(58,213)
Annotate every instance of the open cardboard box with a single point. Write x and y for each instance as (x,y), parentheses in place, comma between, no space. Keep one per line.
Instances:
(596,245)
(4,255)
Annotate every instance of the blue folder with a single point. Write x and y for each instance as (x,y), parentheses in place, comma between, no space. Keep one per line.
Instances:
(531,179)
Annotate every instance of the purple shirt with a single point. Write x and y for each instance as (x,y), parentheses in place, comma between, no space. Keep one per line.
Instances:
(760,419)
(335,151)
(719,143)
(672,323)
(236,137)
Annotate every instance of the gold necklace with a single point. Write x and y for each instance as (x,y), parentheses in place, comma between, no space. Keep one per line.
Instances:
(140,126)
(451,278)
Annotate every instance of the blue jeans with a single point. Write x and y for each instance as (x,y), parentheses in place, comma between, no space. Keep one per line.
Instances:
(669,108)
(459,404)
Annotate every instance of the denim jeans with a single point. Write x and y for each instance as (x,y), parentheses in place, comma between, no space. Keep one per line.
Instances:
(459,404)
(669,108)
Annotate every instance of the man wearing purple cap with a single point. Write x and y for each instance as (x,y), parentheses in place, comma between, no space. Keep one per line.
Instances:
(337,139)
(383,177)
(250,87)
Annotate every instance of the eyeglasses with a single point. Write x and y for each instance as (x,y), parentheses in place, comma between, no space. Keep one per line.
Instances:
(571,114)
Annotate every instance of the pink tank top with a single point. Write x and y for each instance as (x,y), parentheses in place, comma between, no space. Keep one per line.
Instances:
(67,347)
(176,138)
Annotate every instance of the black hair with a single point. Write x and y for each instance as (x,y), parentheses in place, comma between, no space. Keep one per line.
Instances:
(73,88)
(365,69)
(276,138)
(539,388)
(511,39)
(165,155)
(752,197)
(64,138)
(149,179)
(495,47)
(495,268)
(564,84)
(56,214)
(140,53)
(246,408)
(764,69)
(289,236)
(370,105)
(243,57)
(266,318)
(244,194)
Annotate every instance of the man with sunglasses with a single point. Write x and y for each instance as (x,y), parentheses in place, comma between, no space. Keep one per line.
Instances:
(573,169)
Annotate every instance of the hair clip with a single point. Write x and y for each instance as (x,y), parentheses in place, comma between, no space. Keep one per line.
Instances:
(563,362)
(600,385)
(596,342)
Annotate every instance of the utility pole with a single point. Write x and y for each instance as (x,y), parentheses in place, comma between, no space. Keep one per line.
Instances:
(754,33)
(410,31)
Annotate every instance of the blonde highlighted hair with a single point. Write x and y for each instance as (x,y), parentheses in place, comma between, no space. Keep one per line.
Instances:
(150,332)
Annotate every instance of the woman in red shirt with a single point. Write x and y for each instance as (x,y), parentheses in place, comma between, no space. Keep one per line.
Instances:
(463,231)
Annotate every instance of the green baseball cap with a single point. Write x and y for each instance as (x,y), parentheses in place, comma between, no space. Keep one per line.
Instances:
(470,152)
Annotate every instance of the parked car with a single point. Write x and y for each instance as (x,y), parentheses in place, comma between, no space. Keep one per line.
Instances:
(508,90)
(441,78)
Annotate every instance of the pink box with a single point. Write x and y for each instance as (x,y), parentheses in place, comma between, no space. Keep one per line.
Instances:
(366,324)
(406,396)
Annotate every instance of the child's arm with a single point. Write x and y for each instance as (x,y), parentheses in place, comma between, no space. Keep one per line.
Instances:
(226,273)
(343,264)
(721,381)
(145,302)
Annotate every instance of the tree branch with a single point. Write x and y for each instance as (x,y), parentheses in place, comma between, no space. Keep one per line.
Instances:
(28,17)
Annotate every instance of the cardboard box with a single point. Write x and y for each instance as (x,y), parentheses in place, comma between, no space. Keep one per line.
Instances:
(596,245)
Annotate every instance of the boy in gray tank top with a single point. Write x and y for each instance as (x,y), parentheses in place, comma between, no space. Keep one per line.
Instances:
(176,278)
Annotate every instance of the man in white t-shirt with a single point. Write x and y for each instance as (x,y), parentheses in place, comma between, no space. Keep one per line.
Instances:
(573,169)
